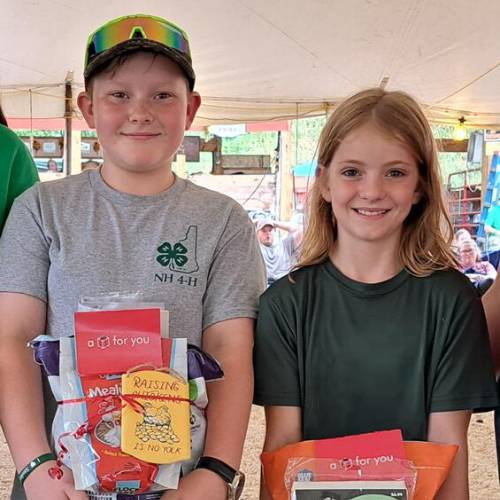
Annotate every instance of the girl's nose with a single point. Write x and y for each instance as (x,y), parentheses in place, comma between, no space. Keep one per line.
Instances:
(372,188)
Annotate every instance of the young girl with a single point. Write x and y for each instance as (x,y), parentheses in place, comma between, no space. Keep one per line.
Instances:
(376,330)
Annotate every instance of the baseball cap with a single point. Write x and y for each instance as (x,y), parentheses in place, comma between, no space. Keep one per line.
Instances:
(263,223)
(138,32)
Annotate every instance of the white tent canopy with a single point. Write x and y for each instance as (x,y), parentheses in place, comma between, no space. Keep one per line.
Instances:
(265,60)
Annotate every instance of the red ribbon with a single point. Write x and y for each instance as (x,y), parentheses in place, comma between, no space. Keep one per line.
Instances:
(115,402)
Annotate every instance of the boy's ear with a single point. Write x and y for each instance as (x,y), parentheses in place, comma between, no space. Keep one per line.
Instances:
(86,107)
(193,104)
(322,180)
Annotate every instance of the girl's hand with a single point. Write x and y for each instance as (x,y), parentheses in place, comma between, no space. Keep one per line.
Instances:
(40,486)
(199,484)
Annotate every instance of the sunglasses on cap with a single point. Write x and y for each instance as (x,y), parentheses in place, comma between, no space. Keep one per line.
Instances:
(152,30)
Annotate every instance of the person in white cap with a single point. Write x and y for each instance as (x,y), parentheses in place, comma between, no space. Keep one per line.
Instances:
(278,257)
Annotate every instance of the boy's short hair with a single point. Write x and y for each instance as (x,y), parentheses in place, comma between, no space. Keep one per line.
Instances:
(121,36)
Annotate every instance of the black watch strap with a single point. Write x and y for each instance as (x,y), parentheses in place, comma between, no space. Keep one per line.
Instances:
(224,470)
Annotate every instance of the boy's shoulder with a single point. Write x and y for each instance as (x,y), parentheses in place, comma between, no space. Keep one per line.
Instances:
(56,189)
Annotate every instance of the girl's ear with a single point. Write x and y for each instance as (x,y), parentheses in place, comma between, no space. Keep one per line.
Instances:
(417,196)
(322,180)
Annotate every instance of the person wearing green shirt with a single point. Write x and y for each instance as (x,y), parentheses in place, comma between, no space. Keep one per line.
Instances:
(492,228)
(17,169)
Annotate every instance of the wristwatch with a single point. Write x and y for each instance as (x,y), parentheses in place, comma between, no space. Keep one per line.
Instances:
(235,479)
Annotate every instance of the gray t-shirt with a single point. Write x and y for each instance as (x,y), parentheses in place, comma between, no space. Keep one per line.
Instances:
(189,247)
(278,258)
(192,248)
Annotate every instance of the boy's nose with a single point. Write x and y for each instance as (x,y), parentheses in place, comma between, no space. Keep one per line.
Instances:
(140,113)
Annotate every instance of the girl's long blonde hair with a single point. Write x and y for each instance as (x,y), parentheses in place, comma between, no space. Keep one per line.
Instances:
(427,231)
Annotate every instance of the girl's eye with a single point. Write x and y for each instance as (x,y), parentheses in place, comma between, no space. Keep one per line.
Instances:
(396,173)
(350,172)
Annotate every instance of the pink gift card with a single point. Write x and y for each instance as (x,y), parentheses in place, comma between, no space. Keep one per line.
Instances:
(371,445)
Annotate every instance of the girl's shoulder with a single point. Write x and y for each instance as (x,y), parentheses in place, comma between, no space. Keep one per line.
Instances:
(295,283)
(449,283)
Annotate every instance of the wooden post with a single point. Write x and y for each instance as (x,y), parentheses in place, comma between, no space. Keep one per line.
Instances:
(216,155)
(76,152)
(68,123)
(285,177)
(485,172)
(181,166)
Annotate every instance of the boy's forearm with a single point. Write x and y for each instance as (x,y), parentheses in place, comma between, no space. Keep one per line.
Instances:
(230,400)
(228,413)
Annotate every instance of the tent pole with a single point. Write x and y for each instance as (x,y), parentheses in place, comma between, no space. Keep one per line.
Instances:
(68,125)
(285,177)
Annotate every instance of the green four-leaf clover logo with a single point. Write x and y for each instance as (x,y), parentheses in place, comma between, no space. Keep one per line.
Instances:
(176,255)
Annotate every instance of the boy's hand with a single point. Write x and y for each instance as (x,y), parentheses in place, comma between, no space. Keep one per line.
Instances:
(199,484)
(40,486)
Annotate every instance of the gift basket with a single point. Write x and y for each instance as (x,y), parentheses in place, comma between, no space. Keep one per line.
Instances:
(131,400)
(379,464)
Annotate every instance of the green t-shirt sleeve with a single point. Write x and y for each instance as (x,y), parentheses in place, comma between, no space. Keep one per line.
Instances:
(464,376)
(18,171)
(275,358)
(493,218)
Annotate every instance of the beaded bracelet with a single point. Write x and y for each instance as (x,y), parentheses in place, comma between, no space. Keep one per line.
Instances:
(34,464)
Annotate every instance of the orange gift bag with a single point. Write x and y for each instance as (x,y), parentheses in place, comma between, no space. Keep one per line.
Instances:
(431,460)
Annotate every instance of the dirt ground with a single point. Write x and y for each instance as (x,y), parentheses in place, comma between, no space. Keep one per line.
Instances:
(484,484)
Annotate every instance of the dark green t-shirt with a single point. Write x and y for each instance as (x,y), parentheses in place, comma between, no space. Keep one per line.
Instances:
(364,357)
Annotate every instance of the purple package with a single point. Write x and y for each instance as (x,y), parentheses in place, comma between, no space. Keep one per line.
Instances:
(200,363)
(46,353)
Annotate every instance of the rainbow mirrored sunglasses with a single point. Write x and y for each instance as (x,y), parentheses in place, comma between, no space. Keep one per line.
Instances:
(137,26)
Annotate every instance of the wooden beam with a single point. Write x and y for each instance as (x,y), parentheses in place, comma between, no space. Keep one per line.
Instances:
(208,146)
(452,146)
(181,166)
(285,177)
(76,151)
(216,155)
(68,124)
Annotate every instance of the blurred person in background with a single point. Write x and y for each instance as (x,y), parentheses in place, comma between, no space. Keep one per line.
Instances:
(278,256)
(472,265)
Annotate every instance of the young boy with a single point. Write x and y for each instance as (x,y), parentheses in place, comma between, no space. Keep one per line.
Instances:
(132,225)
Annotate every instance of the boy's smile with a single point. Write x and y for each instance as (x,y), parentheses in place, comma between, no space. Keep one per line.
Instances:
(372,184)
(140,112)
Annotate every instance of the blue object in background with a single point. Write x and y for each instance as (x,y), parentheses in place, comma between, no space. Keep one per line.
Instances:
(305,169)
